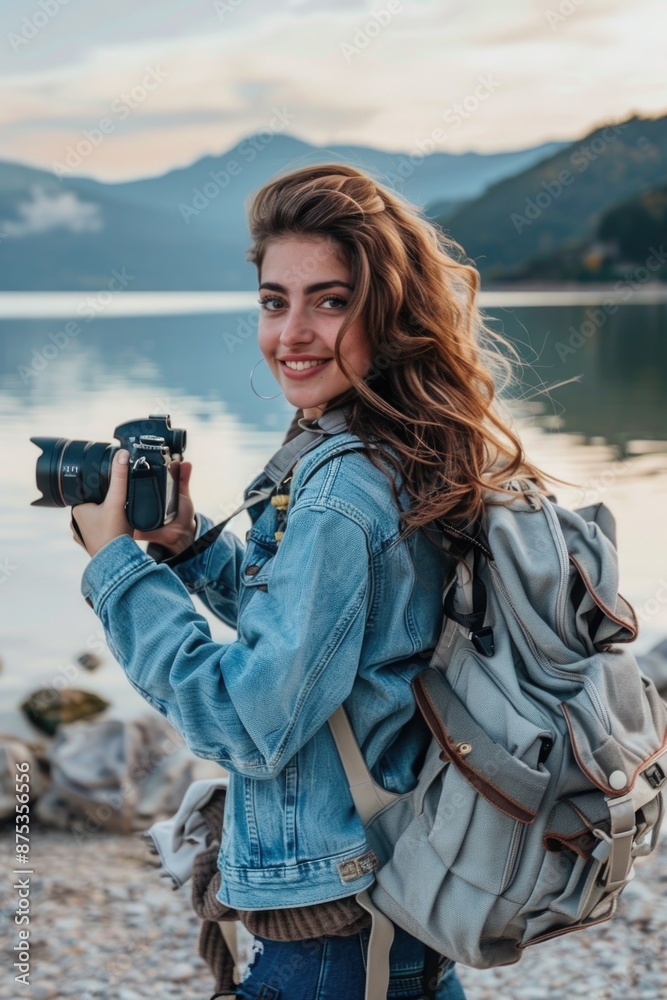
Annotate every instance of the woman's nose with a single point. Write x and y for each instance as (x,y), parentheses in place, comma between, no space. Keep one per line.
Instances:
(296,328)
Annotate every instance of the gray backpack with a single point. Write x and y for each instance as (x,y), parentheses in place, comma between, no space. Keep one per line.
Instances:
(544,778)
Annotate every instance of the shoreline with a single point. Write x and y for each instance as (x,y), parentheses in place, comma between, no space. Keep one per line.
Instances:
(20,305)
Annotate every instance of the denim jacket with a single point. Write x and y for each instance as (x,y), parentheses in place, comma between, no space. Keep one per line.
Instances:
(339,611)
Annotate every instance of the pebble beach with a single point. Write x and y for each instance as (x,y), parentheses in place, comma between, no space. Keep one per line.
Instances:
(103,924)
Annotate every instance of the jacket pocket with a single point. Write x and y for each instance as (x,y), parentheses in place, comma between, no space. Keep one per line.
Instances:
(255,571)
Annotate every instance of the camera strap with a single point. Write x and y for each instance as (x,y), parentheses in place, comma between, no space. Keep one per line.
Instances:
(275,470)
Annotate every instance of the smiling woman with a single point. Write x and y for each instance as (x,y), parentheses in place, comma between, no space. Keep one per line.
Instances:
(369,324)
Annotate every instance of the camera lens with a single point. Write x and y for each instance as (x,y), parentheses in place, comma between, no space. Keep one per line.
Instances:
(72,472)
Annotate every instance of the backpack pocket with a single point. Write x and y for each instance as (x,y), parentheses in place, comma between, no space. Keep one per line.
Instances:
(486,796)
(474,839)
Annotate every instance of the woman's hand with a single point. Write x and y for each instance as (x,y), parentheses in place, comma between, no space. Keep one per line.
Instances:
(180,532)
(100,523)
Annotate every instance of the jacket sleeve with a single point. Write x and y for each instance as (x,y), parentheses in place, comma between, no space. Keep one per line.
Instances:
(214,574)
(251,704)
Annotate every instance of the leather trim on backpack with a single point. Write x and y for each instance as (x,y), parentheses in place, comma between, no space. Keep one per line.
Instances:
(642,766)
(629,628)
(573,927)
(480,761)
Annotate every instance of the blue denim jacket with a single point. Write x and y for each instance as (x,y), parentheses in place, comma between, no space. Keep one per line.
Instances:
(339,611)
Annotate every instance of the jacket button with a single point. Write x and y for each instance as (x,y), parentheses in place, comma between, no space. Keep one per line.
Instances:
(251,570)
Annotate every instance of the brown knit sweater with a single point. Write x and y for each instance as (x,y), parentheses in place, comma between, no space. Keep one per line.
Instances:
(342,917)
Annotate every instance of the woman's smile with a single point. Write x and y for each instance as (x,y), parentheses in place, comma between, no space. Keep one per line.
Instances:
(303,368)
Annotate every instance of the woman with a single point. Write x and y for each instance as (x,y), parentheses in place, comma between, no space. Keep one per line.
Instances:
(366,308)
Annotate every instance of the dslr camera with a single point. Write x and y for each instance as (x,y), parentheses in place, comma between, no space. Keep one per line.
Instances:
(75,472)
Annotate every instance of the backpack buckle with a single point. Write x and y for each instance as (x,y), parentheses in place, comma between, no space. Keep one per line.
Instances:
(482,640)
(654,775)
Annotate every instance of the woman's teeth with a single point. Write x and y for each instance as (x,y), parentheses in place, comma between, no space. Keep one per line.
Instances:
(300,365)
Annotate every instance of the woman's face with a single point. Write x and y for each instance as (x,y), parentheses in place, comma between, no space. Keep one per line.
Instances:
(304,294)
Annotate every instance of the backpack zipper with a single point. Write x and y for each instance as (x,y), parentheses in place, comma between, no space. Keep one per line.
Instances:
(515,846)
(564,560)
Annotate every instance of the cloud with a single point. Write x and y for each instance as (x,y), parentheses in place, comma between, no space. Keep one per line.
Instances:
(225,76)
(47,211)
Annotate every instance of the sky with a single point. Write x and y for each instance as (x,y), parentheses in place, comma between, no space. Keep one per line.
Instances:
(148,86)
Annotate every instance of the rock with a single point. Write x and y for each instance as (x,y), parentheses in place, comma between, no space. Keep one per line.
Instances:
(48,708)
(115,775)
(89,661)
(42,991)
(180,973)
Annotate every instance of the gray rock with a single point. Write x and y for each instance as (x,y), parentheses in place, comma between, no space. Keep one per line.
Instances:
(181,972)
(42,991)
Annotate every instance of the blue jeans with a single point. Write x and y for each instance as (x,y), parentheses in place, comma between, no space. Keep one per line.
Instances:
(334,968)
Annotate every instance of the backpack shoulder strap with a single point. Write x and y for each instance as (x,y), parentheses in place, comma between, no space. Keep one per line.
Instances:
(276,469)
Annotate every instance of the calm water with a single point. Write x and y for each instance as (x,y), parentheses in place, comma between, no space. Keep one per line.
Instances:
(607,431)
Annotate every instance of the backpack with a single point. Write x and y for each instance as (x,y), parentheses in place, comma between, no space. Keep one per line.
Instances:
(544,777)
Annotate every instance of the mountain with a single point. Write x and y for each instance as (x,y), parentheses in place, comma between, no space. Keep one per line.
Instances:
(556,205)
(630,239)
(186,229)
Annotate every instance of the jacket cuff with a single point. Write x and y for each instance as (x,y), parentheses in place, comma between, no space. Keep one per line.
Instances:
(110,566)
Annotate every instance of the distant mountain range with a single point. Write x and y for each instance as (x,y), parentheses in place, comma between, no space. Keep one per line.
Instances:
(529,226)
(186,229)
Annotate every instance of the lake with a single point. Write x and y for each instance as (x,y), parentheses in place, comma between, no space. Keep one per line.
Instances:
(191,356)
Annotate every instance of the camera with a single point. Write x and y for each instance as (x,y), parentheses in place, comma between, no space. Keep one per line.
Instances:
(74,472)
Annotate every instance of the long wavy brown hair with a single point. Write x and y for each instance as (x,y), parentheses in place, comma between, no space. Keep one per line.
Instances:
(432,394)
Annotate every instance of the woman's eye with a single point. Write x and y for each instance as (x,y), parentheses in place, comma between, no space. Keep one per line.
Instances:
(336,299)
(264,302)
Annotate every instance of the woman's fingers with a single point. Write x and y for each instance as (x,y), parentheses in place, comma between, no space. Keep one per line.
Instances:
(75,532)
(184,480)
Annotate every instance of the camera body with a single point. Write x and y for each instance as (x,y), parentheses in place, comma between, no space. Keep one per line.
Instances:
(152,495)
(75,472)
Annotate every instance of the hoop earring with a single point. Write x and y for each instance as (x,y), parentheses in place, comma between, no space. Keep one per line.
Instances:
(255,390)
